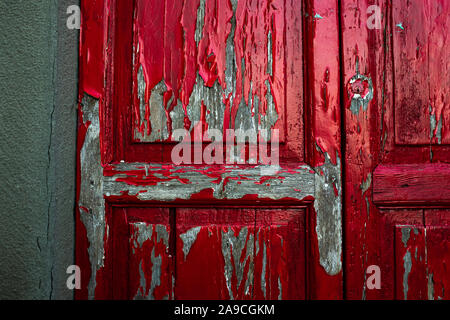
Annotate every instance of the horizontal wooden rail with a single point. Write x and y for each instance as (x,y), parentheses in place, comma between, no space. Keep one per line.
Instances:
(425,184)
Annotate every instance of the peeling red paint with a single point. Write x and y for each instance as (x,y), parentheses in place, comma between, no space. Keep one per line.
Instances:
(255,260)
(179,59)
(271,52)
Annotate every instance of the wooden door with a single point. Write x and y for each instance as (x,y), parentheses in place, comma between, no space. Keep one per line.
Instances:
(397,154)
(151,228)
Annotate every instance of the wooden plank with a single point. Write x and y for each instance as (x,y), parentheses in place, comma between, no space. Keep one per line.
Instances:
(365,56)
(409,184)
(439,68)
(384,237)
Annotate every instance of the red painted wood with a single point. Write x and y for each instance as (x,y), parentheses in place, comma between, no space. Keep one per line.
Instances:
(201,269)
(90,81)
(178,61)
(322,54)
(438,262)
(362,49)
(388,143)
(305,79)
(407,184)
(438,251)
(322,67)
(384,236)
(420,60)
(240,254)
(422,259)
(437,217)
(281,233)
(142,266)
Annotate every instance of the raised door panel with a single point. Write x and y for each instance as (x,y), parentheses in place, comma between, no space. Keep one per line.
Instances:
(240,254)
(141,256)
(215,253)
(203,65)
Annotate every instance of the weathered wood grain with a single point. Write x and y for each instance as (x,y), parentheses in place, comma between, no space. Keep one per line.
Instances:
(412,184)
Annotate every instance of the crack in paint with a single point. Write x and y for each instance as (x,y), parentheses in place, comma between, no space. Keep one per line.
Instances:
(264,271)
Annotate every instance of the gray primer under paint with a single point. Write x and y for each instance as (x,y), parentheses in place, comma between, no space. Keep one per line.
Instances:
(188,239)
(435,128)
(329,215)
(406,233)
(144,232)
(91,202)
(407,265)
(244,181)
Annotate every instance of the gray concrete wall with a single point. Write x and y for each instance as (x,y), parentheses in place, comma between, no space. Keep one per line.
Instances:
(38,90)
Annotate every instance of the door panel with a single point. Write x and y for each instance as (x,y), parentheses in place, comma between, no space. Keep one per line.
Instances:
(219,63)
(261,232)
(149,259)
(215,253)
(261,254)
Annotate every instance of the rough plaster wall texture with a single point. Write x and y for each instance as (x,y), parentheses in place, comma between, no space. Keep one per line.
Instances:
(37,143)
(63,160)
